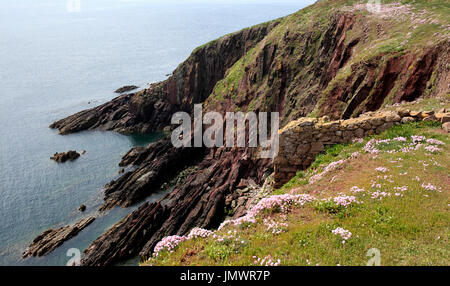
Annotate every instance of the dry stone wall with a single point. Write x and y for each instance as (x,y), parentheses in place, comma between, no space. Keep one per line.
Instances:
(301,140)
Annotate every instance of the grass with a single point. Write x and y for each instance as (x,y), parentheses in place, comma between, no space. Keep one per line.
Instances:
(409,229)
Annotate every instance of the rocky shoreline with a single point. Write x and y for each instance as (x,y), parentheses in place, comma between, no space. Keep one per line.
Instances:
(275,66)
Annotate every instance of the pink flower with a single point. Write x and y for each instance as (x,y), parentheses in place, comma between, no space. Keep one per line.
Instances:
(266,261)
(381,169)
(429,187)
(345,234)
(169,243)
(345,201)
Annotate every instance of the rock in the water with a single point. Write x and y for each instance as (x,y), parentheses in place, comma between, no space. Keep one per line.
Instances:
(50,239)
(65,156)
(126,88)
(82,208)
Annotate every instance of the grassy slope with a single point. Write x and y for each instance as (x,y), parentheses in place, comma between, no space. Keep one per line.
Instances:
(411,229)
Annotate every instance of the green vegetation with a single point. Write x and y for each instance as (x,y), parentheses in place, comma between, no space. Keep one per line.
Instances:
(400,207)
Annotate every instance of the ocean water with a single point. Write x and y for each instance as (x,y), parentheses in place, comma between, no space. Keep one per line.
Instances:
(57,59)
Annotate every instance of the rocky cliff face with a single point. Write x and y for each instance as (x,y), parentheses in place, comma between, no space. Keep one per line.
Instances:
(327,59)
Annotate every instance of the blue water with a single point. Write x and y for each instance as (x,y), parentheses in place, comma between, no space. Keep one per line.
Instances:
(54,63)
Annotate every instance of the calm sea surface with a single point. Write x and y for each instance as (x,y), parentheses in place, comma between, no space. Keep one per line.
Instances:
(55,61)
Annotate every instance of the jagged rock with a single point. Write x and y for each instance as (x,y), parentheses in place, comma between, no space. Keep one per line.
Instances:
(430,118)
(52,238)
(126,88)
(65,156)
(156,164)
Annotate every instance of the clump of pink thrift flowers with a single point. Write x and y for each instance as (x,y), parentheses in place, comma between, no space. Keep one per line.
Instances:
(345,201)
(169,243)
(435,142)
(345,234)
(356,189)
(281,202)
(275,227)
(199,232)
(432,149)
(266,261)
(381,169)
(429,187)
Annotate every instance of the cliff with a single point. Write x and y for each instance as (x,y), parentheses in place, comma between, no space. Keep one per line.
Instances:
(333,58)
(192,82)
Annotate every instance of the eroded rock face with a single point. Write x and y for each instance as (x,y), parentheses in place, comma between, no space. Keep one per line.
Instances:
(65,156)
(199,201)
(52,238)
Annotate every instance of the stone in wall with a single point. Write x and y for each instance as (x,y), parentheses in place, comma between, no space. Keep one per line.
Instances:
(301,140)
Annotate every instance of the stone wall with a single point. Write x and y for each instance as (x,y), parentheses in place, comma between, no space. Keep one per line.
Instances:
(301,140)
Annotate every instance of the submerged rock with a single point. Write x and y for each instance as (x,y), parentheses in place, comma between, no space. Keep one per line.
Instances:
(126,88)
(82,208)
(52,238)
(65,156)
